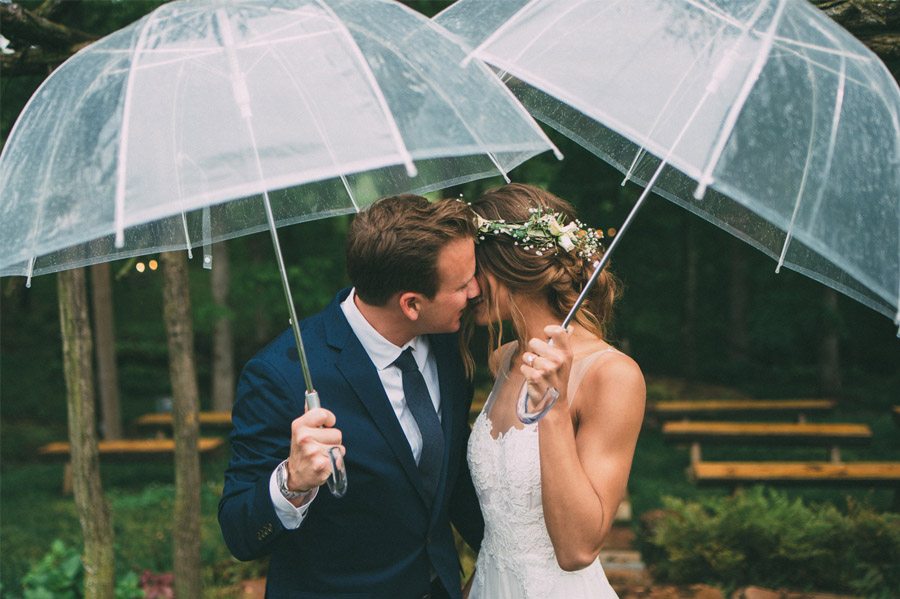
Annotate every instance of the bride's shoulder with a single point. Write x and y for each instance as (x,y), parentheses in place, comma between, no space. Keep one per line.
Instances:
(615,377)
(498,356)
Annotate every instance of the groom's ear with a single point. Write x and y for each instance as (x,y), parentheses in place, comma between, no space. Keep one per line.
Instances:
(410,304)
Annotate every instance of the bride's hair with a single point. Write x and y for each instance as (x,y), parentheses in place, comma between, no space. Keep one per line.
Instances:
(554,277)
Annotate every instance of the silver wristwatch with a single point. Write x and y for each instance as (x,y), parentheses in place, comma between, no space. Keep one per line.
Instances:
(281,477)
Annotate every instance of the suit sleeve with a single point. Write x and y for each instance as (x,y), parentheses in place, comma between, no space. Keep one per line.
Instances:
(260,440)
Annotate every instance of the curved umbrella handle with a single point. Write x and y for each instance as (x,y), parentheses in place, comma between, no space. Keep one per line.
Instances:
(524,411)
(337,480)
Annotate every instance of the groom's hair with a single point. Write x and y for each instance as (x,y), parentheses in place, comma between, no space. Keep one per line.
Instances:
(393,246)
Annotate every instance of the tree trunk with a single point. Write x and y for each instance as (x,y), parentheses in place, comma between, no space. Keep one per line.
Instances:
(738,338)
(689,325)
(186,428)
(105,348)
(829,349)
(93,510)
(223,340)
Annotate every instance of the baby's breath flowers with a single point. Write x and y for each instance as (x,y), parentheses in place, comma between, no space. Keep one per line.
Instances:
(544,232)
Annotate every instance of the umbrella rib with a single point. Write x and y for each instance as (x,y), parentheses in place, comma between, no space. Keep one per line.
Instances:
(500,30)
(788,234)
(370,78)
(829,155)
(659,117)
(550,44)
(123,133)
(318,125)
(178,183)
(738,104)
(823,66)
(448,101)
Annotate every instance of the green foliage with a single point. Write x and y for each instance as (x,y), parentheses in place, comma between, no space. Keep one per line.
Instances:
(764,537)
(129,587)
(59,574)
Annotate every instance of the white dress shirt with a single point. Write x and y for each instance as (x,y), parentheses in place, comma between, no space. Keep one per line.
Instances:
(382,353)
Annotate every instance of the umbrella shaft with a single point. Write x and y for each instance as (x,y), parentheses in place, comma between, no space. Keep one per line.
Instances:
(295,324)
(601,264)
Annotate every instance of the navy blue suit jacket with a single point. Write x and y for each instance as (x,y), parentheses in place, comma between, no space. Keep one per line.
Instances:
(381,539)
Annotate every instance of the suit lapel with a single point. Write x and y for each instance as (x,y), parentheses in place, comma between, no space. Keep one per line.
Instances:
(357,368)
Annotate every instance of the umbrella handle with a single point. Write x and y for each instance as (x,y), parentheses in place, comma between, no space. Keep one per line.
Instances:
(548,400)
(337,480)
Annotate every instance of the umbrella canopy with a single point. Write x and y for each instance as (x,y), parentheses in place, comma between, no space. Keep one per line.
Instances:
(164,134)
(764,117)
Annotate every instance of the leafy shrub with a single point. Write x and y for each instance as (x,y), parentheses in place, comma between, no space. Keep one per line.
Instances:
(763,537)
(60,575)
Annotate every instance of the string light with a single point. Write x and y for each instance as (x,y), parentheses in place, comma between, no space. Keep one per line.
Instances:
(139,267)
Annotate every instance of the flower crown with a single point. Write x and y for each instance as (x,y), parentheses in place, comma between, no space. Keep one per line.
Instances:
(542,232)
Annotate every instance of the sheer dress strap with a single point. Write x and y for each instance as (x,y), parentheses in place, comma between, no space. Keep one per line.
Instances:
(580,368)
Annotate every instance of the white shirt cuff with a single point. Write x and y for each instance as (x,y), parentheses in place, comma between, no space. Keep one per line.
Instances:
(291,517)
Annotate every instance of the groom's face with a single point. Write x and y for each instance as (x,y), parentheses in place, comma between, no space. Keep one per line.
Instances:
(456,287)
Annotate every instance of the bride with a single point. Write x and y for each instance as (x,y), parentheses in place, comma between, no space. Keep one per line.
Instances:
(549,490)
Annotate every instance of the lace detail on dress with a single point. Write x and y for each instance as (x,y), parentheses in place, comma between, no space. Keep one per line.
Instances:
(506,472)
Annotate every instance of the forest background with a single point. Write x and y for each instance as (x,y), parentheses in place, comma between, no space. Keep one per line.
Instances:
(701,312)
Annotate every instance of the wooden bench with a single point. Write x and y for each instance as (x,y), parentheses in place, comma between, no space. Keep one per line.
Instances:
(161,422)
(829,435)
(850,473)
(124,449)
(717,407)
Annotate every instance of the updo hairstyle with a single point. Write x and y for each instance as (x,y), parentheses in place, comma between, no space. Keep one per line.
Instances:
(556,277)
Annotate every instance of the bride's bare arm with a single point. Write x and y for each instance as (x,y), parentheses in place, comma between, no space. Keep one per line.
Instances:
(584,474)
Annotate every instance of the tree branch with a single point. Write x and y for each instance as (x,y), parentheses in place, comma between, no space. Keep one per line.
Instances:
(25,28)
(860,17)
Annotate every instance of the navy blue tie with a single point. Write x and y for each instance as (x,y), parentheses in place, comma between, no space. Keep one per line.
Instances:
(419,402)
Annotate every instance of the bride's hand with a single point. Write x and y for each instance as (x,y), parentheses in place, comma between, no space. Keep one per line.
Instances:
(546,365)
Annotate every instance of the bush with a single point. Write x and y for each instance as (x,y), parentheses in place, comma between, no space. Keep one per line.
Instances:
(60,575)
(763,537)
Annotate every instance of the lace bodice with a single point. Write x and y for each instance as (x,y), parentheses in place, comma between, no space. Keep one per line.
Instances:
(507,475)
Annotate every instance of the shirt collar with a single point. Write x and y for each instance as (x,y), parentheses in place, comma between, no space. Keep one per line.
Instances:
(381,351)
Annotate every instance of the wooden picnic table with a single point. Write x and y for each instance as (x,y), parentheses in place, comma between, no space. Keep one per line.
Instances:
(706,407)
(124,450)
(830,435)
(161,423)
(850,473)
(130,448)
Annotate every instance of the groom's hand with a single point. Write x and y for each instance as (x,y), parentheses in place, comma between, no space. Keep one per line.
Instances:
(312,436)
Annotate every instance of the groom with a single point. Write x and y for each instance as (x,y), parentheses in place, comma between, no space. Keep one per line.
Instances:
(395,397)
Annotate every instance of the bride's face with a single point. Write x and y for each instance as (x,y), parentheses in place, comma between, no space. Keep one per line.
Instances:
(493,302)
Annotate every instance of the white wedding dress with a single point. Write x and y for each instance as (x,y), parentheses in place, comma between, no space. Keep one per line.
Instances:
(516,559)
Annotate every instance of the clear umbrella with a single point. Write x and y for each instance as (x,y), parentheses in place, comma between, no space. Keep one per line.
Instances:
(211,119)
(764,117)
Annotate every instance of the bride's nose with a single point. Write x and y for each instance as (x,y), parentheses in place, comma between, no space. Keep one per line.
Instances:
(474,289)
